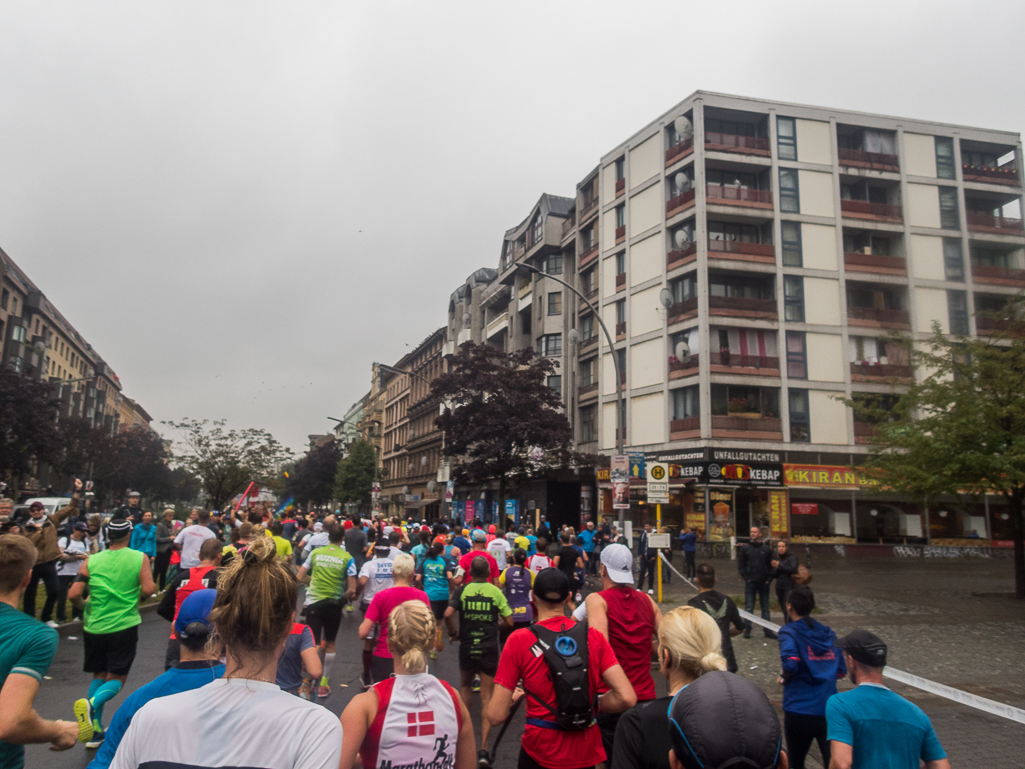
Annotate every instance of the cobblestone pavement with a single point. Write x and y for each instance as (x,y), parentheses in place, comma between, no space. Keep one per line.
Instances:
(951,622)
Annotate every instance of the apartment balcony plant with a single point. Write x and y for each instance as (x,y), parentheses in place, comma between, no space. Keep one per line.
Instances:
(732,195)
(736,250)
(879,212)
(876,161)
(748,145)
(858,261)
(1005,174)
(998,225)
(678,369)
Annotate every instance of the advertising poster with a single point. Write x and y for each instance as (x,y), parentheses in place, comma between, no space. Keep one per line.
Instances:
(722,514)
(512,510)
(620,476)
(469,510)
(450,488)
(778,524)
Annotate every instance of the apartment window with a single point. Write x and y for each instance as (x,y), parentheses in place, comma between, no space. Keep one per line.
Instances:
(18,334)
(588,424)
(945,157)
(15,362)
(587,282)
(538,231)
(957,312)
(587,236)
(800,427)
(683,288)
(789,195)
(586,327)
(793,298)
(786,138)
(797,355)
(621,311)
(790,235)
(587,371)
(620,263)
(4,298)
(550,345)
(949,219)
(686,403)
(555,303)
(621,360)
(555,383)
(553,264)
(953,260)
(620,169)
(730,400)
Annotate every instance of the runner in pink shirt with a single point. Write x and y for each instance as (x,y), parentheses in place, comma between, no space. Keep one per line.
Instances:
(381,606)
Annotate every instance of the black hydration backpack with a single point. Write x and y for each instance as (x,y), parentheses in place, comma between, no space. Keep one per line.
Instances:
(567,656)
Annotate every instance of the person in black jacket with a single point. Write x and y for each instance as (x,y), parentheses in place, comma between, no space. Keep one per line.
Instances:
(754,561)
(784,567)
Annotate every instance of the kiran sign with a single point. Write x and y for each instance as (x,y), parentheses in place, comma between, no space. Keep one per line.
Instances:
(821,476)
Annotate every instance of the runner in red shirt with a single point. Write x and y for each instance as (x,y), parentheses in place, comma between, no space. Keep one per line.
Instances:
(629,619)
(479,543)
(381,607)
(184,584)
(547,745)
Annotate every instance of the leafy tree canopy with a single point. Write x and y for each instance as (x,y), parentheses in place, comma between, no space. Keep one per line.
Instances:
(356,474)
(313,477)
(28,426)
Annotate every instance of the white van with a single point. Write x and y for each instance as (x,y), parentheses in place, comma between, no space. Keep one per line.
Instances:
(52,504)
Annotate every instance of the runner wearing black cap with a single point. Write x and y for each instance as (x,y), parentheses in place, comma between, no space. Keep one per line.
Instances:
(722,720)
(545,743)
(871,726)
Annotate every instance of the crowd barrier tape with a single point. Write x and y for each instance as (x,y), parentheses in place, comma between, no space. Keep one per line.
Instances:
(932,687)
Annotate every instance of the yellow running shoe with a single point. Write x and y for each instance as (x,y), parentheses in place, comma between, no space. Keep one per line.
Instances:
(84,716)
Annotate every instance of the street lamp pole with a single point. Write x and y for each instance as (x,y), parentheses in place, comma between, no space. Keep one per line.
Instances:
(620,413)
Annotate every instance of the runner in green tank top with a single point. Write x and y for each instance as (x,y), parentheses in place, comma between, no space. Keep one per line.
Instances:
(117,578)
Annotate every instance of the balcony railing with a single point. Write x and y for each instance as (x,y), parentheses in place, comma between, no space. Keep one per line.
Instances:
(880,161)
(757,252)
(587,207)
(676,366)
(588,344)
(589,254)
(1002,276)
(736,360)
(620,232)
(863,371)
(679,149)
(857,261)
(748,424)
(998,224)
(862,209)
(590,295)
(1006,174)
(680,256)
(733,195)
(620,185)
(680,309)
(680,201)
(864,432)
(879,315)
(743,306)
(587,389)
(568,226)
(620,281)
(685,425)
(621,328)
(732,143)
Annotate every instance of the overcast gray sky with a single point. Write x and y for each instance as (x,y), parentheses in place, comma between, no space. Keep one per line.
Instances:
(241,205)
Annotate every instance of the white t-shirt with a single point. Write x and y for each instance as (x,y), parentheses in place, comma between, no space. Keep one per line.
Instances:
(71,546)
(191,538)
(499,549)
(379,576)
(311,543)
(537,562)
(232,722)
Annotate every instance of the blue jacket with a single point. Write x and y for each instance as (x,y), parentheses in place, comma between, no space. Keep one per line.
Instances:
(144,539)
(688,539)
(811,666)
(186,677)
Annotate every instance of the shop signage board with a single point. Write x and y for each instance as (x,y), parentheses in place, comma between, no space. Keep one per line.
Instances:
(620,477)
(602,474)
(722,514)
(658,483)
(470,506)
(779,525)
(728,474)
(660,541)
(512,510)
(805,508)
(637,466)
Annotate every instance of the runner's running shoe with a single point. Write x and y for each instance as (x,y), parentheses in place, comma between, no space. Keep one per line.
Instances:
(323,691)
(483,760)
(96,742)
(84,717)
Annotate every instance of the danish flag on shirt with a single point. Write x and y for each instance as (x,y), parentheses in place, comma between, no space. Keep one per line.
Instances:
(420,724)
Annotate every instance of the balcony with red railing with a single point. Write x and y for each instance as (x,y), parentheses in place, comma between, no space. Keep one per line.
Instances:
(729,195)
(587,208)
(755,428)
(680,429)
(620,233)
(875,372)
(876,161)
(1005,174)
(688,308)
(998,225)
(877,317)
(620,331)
(857,261)
(679,203)
(998,276)
(735,250)
(679,370)
(878,212)
(726,362)
(679,151)
(748,145)
(742,307)
(589,255)
(621,281)
(681,256)
(620,187)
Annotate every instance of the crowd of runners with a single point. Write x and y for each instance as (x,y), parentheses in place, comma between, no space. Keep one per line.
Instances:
(547,619)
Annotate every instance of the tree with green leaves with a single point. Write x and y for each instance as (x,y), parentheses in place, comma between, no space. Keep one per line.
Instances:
(28,425)
(356,474)
(312,479)
(960,430)
(227,461)
(503,421)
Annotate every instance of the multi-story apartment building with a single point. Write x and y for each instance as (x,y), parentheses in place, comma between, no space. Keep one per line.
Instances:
(371,423)
(346,431)
(425,443)
(755,260)
(131,415)
(396,469)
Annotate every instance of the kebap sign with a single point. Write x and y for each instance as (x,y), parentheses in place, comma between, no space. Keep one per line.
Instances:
(728,474)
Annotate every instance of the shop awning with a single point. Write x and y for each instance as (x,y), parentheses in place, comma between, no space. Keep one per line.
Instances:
(421,503)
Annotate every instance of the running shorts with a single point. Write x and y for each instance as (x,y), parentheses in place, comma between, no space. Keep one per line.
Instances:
(324,617)
(111,653)
(486,664)
(438,607)
(381,668)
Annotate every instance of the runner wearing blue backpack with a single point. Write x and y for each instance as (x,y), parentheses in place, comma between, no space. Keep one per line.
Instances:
(811,667)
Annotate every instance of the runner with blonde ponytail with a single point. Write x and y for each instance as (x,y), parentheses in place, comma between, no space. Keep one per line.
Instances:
(412,718)
(689,645)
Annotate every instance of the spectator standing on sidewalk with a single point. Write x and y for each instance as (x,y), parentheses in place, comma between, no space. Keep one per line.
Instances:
(144,537)
(74,550)
(41,530)
(871,726)
(648,556)
(688,543)
(811,667)
(165,546)
(754,562)
(784,566)
(586,539)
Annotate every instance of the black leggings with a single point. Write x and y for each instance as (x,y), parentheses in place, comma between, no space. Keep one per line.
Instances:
(47,572)
(526,762)
(800,731)
(160,566)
